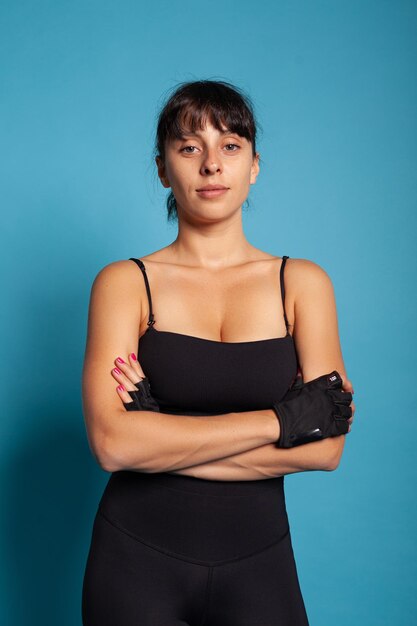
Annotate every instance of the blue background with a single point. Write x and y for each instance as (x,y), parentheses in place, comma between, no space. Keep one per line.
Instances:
(334,85)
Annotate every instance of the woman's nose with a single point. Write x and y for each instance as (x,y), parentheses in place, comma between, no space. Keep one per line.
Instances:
(210,163)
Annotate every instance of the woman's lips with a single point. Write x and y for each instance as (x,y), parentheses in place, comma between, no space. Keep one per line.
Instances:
(211,193)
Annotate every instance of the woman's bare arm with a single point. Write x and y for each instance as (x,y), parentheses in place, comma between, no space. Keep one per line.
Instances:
(318,346)
(268,461)
(144,440)
(148,441)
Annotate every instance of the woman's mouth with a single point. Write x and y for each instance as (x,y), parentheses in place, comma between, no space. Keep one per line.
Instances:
(211,191)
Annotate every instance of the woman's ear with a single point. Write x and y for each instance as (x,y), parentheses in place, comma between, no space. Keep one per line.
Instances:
(254,169)
(162,172)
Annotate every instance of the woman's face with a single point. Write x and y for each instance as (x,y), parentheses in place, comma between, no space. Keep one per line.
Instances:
(209,157)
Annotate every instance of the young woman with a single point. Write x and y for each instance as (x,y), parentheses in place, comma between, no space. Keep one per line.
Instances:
(204,339)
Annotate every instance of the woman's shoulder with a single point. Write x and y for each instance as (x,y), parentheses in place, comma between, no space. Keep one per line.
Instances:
(116,270)
(119,279)
(302,274)
(304,266)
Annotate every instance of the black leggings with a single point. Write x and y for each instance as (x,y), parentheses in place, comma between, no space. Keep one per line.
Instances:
(171,550)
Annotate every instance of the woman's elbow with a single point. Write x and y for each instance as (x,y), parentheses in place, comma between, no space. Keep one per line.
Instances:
(121,454)
(104,448)
(108,463)
(102,453)
(111,458)
(334,452)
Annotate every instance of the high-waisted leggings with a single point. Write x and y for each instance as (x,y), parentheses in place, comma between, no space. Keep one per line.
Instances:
(173,550)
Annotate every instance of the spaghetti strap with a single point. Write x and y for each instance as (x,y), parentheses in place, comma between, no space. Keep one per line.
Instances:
(140,263)
(284,259)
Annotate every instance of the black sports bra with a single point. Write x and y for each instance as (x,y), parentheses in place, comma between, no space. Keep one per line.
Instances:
(196,376)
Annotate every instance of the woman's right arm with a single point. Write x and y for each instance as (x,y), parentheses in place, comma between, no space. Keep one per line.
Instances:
(148,441)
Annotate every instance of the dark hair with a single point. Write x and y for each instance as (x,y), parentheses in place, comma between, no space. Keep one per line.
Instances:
(189,108)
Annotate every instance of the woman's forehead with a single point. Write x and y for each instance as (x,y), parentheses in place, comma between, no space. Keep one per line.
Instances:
(200,121)
(184,131)
(208,128)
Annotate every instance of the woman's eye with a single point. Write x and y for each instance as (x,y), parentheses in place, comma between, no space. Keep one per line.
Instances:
(191,149)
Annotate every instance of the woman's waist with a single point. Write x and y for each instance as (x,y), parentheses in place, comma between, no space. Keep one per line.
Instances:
(144,481)
(195,518)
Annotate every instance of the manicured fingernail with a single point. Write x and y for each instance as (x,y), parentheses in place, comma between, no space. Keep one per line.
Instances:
(117,370)
(133,356)
(120,388)
(120,360)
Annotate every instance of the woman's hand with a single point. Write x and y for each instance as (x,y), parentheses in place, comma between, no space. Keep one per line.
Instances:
(347,386)
(134,389)
(127,375)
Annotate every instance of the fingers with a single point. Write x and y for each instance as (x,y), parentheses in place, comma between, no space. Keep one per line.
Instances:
(123,395)
(350,420)
(127,374)
(344,401)
(343,412)
(347,386)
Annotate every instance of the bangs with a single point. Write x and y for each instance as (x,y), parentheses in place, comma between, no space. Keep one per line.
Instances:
(195,116)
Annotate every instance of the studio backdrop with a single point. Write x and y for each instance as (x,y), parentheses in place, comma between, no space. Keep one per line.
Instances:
(334,89)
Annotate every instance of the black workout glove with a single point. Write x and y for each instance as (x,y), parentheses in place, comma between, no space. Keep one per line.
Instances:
(141,398)
(313,411)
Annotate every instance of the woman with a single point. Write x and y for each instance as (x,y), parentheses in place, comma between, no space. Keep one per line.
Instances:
(192,527)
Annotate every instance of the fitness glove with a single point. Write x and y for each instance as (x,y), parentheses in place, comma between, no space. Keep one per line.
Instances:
(142,399)
(313,411)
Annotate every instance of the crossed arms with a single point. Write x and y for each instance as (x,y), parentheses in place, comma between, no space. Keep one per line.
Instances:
(236,446)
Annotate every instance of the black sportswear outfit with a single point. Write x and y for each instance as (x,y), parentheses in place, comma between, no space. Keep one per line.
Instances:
(171,550)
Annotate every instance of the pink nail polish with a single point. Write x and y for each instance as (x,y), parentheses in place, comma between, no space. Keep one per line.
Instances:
(117,370)
(120,360)
(133,356)
(121,388)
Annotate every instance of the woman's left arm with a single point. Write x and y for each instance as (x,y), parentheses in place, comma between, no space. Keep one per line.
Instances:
(311,310)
